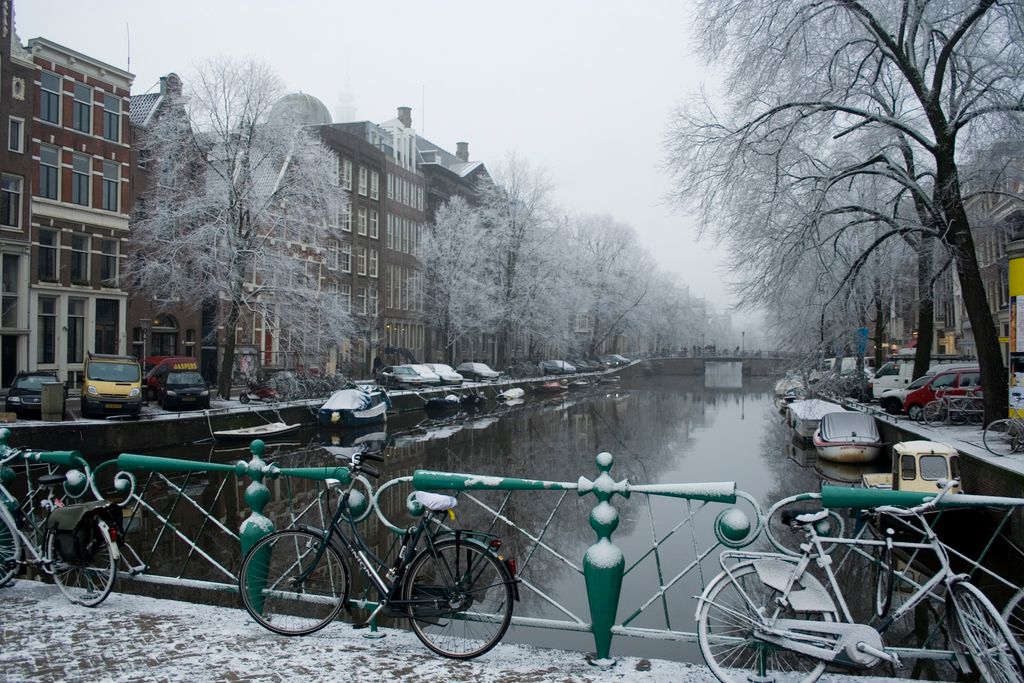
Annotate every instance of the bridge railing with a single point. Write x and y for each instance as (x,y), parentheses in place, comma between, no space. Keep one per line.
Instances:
(191,523)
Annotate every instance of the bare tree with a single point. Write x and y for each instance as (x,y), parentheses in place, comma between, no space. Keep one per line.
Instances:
(460,291)
(837,88)
(240,213)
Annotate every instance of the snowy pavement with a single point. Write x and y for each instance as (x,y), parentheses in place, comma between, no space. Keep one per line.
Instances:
(133,639)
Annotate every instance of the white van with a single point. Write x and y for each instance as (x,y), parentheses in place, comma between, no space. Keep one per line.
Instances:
(898,372)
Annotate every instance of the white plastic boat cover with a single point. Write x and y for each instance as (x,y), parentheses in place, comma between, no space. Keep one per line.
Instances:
(348,399)
(849,427)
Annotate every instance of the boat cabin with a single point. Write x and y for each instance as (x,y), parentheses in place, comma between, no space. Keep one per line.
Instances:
(917,466)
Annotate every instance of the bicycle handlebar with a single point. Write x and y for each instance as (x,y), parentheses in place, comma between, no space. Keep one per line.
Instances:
(945,487)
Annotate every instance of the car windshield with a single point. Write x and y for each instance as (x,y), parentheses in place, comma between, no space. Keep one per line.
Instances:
(440,367)
(33,382)
(404,370)
(114,372)
(919,382)
(187,378)
(421,369)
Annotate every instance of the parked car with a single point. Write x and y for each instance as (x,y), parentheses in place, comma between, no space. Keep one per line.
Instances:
(584,365)
(446,373)
(408,376)
(898,372)
(183,389)
(956,382)
(613,360)
(111,384)
(25,395)
(556,367)
(159,366)
(478,372)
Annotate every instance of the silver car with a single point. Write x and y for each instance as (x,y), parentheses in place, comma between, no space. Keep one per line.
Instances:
(446,373)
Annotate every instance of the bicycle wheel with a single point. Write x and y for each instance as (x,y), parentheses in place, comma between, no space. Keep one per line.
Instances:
(983,635)
(10,550)
(271,592)
(1002,437)
(725,632)
(934,413)
(884,580)
(1013,615)
(86,579)
(460,599)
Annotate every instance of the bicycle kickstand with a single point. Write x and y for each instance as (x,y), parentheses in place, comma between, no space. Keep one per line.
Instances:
(881,654)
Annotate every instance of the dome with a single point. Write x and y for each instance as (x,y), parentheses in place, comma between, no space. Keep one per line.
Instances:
(306,109)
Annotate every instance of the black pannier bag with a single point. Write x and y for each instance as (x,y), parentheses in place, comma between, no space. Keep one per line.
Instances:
(76,536)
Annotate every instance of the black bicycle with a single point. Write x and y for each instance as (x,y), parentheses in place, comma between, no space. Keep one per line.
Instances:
(457,591)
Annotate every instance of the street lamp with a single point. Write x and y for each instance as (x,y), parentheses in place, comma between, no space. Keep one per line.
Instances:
(743,342)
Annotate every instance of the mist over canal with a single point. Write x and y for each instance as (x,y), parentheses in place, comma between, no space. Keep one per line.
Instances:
(717,427)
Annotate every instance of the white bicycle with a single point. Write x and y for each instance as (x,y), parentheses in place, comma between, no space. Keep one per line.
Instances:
(767,618)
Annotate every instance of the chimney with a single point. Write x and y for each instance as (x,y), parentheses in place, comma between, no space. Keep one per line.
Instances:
(405,116)
(170,85)
(462,150)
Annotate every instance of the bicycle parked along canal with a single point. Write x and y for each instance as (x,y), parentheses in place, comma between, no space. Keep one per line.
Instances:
(1005,436)
(767,618)
(457,591)
(77,545)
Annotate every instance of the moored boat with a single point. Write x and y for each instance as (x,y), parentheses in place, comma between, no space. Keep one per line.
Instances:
(511,394)
(918,466)
(804,416)
(354,407)
(847,437)
(264,431)
(552,387)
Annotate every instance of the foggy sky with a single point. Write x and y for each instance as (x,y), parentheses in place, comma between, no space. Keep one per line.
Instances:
(582,88)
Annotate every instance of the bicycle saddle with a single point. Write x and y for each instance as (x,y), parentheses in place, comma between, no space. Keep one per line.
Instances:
(435,502)
(802,517)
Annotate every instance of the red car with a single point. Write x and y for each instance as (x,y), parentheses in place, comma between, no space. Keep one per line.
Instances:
(158,367)
(954,382)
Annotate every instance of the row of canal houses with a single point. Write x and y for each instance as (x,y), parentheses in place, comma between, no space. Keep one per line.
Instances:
(73,180)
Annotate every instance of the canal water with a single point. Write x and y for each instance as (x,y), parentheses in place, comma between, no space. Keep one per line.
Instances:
(659,430)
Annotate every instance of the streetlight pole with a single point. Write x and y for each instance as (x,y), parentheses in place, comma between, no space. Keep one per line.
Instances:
(743,342)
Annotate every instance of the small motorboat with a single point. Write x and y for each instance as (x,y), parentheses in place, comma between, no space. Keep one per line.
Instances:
(511,394)
(354,407)
(804,416)
(847,437)
(917,466)
(449,402)
(264,431)
(555,386)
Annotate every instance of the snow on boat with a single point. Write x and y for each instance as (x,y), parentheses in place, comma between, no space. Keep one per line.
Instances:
(847,437)
(443,402)
(354,407)
(264,431)
(511,394)
(804,416)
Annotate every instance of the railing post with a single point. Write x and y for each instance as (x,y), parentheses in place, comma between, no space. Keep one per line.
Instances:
(603,563)
(256,525)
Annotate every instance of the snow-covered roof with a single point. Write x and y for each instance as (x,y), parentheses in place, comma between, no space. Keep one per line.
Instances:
(431,154)
(141,106)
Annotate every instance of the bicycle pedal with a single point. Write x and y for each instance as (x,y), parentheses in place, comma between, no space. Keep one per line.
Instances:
(360,625)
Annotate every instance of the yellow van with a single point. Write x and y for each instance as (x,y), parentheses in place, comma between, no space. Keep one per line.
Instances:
(111,385)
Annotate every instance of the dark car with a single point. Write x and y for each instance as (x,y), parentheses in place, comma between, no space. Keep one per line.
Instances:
(614,360)
(584,365)
(183,389)
(477,372)
(556,367)
(157,368)
(25,396)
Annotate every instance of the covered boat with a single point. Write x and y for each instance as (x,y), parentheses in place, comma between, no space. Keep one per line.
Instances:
(804,416)
(264,431)
(847,437)
(354,407)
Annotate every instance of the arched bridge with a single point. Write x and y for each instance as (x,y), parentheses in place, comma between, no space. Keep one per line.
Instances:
(753,366)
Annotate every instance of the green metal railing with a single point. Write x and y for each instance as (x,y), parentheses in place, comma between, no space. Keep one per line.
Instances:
(197,528)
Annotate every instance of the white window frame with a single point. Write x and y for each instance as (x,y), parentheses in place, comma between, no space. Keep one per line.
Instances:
(16,145)
(58,167)
(346,257)
(110,112)
(88,178)
(374,224)
(346,174)
(374,185)
(332,254)
(363,180)
(361,226)
(373,263)
(111,281)
(346,297)
(20,192)
(78,105)
(59,93)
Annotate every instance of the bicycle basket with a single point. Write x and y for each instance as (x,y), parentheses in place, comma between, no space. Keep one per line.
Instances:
(74,530)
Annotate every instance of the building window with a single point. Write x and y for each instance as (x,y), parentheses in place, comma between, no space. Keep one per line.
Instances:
(76,330)
(108,263)
(346,174)
(107,313)
(47,258)
(419,198)
(362,220)
(362,180)
(49,97)
(374,185)
(46,349)
(346,257)
(81,114)
(374,227)
(10,201)
(373,263)
(332,254)
(361,300)
(346,298)
(371,300)
(361,261)
(81,173)
(111,183)
(80,259)
(391,186)
(49,164)
(391,230)
(16,135)
(9,305)
(112,118)
(346,217)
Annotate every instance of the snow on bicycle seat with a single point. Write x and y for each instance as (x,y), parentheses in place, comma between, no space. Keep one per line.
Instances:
(791,517)
(435,502)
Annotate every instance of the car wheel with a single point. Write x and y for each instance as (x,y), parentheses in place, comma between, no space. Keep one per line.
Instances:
(892,406)
(914,411)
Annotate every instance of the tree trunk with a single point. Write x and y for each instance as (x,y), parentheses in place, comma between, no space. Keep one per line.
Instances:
(227,363)
(925,307)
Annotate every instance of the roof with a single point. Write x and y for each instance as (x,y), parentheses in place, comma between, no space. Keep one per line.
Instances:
(431,154)
(141,106)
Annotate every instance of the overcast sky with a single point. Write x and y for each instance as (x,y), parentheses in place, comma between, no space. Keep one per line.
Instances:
(583,88)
